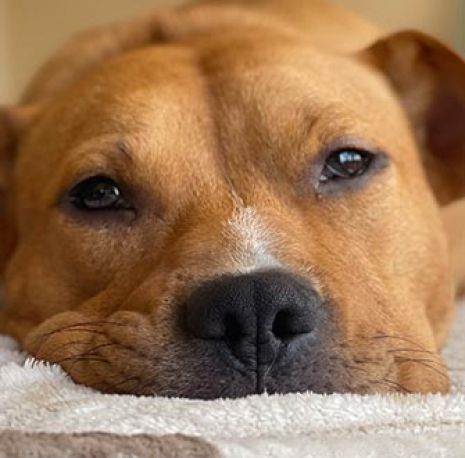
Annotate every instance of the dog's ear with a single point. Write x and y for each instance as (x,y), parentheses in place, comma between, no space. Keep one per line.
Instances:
(13,122)
(429,79)
(8,137)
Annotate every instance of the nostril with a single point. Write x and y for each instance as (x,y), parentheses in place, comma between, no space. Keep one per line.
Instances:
(233,329)
(288,324)
(282,326)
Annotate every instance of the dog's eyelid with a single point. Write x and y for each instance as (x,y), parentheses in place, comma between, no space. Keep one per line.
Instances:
(100,157)
(114,174)
(87,176)
(348,142)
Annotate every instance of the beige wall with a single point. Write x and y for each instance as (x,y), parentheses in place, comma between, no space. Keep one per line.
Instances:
(31,29)
(5,64)
(443,18)
(38,27)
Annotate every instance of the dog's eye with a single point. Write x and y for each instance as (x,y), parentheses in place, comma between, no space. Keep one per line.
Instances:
(98,193)
(346,164)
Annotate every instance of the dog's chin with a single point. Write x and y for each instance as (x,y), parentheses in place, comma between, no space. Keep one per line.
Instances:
(198,375)
(121,354)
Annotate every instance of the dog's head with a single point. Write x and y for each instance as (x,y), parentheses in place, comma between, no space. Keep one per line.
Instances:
(234,212)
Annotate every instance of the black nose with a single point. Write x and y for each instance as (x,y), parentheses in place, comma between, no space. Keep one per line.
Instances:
(255,317)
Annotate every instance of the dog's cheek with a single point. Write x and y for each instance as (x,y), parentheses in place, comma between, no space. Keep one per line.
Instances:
(48,274)
(426,276)
(68,339)
(100,352)
(64,339)
(34,290)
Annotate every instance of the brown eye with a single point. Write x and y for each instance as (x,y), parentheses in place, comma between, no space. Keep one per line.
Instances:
(346,164)
(98,193)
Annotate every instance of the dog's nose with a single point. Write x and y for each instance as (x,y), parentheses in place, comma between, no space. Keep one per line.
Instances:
(255,316)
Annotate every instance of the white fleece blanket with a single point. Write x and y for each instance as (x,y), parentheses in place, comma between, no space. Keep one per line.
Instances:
(39,398)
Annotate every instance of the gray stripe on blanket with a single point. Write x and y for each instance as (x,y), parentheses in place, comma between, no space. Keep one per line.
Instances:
(100,445)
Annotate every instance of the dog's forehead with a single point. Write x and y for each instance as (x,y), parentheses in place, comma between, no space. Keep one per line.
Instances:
(179,105)
(159,88)
(161,83)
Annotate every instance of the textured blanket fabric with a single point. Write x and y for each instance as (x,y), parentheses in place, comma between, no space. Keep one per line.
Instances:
(43,412)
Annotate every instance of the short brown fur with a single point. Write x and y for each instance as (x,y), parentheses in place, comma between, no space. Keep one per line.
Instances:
(218,106)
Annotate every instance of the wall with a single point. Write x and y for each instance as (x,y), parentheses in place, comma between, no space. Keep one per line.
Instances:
(443,18)
(6,90)
(31,29)
(38,27)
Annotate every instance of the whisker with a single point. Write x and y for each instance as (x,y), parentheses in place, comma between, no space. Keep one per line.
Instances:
(94,323)
(424,363)
(92,350)
(86,323)
(423,360)
(81,358)
(124,381)
(391,383)
(366,361)
(44,337)
(147,384)
(72,342)
(404,339)
(361,369)
(395,350)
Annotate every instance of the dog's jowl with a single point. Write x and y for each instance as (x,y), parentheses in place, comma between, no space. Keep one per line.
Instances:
(226,199)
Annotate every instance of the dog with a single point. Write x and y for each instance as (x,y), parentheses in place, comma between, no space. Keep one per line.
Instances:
(237,197)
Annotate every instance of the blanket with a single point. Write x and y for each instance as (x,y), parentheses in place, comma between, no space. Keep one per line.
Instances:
(43,413)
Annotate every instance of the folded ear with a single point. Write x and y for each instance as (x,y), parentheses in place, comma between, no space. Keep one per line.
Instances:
(7,141)
(429,79)
(13,122)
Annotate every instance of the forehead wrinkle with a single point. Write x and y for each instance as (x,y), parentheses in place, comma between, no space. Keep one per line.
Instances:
(206,120)
(244,102)
(219,150)
(123,147)
(105,152)
(274,92)
(250,126)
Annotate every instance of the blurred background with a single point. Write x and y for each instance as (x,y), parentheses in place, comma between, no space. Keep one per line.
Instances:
(30,30)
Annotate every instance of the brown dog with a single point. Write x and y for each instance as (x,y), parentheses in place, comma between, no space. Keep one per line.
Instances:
(235,197)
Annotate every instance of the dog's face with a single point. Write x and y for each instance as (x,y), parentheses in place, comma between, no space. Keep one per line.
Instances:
(222,219)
